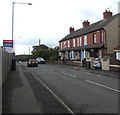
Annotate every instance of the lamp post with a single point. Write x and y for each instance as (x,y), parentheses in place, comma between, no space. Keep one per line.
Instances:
(13,15)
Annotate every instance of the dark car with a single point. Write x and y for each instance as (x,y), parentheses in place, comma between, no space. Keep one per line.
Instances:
(97,63)
(40,60)
(32,63)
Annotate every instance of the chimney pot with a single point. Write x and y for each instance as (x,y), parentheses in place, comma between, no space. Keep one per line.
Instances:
(107,14)
(86,23)
(71,29)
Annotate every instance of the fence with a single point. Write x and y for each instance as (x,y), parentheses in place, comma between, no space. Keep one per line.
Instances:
(5,65)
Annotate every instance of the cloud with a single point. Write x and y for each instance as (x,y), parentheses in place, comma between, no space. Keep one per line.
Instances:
(49,20)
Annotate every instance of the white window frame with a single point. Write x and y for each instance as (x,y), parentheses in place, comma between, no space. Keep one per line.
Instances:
(68,43)
(85,40)
(61,45)
(101,36)
(94,38)
(64,44)
(73,42)
(118,55)
(80,41)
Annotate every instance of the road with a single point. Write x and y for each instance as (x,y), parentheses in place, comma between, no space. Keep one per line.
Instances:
(54,88)
(79,91)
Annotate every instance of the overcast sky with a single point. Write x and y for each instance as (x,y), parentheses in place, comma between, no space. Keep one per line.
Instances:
(48,20)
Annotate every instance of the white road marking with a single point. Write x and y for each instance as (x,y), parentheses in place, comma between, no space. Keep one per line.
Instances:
(71,111)
(89,73)
(103,86)
(68,74)
(99,75)
(51,69)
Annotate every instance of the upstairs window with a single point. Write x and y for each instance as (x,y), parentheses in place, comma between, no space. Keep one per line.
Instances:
(64,44)
(94,38)
(80,41)
(61,45)
(101,36)
(85,40)
(73,42)
(68,43)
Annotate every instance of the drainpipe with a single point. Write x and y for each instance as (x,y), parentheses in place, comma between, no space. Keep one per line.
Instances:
(105,39)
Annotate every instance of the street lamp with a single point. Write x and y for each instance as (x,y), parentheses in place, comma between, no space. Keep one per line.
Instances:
(13,15)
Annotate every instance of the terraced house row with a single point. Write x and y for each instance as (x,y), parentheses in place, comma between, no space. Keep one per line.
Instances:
(92,40)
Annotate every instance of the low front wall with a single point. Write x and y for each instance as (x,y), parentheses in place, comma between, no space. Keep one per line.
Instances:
(105,64)
(114,65)
(75,63)
(69,62)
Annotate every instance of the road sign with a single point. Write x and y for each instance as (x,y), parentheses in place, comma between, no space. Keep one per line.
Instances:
(7,43)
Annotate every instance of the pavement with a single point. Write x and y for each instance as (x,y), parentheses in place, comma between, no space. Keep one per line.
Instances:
(18,97)
(22,93)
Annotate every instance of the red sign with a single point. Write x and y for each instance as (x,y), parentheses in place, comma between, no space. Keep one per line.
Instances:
(7,41)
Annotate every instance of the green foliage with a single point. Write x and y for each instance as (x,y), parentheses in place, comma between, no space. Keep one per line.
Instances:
(23,57)
(46,53)
(106,57)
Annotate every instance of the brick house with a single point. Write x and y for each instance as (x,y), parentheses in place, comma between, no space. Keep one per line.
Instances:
(93,40)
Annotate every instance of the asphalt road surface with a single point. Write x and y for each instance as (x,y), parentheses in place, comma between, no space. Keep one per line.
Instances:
(76,89)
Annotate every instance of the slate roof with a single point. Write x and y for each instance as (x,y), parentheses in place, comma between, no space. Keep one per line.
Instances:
(91,28)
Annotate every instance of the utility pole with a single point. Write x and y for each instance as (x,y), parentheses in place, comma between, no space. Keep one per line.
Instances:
(39,42)
(29,50)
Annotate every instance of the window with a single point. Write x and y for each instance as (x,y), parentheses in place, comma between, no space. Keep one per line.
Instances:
(85,40)
(73,42)
(80,41)
(118,55)
(61,45)
(64,44)
(68,43)
(94,38)
(101,36)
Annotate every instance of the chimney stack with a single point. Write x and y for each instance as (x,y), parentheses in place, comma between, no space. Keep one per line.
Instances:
(107,14)
(71,29)
(86,23)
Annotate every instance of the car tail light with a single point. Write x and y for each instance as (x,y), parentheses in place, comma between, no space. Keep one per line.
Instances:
(36,62)
(29,62)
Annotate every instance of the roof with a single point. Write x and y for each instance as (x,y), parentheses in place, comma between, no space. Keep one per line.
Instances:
(93,46)
(91,28)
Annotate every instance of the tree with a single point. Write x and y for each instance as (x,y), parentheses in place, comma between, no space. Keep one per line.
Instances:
(45,52)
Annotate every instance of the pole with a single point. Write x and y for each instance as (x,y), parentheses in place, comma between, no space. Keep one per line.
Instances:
(12,20)
(29,50)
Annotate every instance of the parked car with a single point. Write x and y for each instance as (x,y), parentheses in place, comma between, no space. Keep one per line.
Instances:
(97,63)
(40,60)
(32,63)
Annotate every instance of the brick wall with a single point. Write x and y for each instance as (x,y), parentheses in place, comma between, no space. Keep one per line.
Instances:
(89,39)
(114,65)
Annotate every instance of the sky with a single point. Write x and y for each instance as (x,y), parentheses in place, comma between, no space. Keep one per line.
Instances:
(48,20)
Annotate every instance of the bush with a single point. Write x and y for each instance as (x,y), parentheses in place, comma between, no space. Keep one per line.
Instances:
(106,57)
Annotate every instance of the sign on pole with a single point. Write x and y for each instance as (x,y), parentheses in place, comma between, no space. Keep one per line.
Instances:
(8,43)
